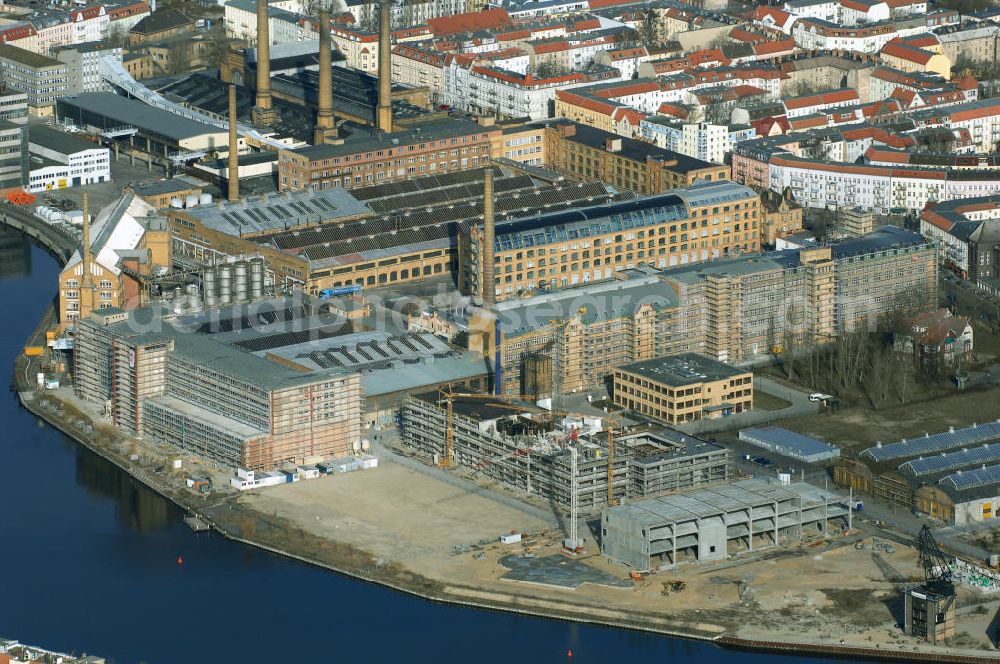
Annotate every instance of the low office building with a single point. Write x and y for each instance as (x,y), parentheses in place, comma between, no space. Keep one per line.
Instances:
(712,524)
(13,105)
(683,388)
(60,160)
(41,78)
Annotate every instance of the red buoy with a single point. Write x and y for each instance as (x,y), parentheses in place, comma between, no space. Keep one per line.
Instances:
(180,561)
(569,654)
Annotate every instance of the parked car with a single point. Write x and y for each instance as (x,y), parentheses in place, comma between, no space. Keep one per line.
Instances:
(762,461)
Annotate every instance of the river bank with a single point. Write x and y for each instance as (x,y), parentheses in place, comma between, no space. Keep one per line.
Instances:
(269,520)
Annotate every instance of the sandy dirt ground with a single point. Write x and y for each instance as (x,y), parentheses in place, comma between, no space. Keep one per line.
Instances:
(819,589)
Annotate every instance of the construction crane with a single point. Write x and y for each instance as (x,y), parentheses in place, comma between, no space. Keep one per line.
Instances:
(937,572)
(508,399)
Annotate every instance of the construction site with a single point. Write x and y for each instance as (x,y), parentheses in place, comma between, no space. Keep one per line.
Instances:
(556,456)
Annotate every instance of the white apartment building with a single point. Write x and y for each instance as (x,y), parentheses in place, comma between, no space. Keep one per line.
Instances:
(83,66)
(702,140)
(830,185)
(283,26)
(490,90)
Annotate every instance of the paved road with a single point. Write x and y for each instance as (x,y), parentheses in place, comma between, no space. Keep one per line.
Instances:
(800,405)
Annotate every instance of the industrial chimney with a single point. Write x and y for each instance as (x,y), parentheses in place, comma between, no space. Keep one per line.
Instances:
(488,279)
(263,114)
(234,159)
(384,115)
(324,117)
(87,280)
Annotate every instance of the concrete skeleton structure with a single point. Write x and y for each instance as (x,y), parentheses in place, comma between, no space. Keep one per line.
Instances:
(713,524)
(527,450)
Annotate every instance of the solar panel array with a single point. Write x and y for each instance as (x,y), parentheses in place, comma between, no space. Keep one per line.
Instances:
(967,456)
(417,185)
(970,479)
(282,339)
(939,442)
(238,319)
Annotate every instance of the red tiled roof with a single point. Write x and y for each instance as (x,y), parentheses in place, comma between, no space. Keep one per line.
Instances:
(823,98)
(967,83)
(976,113)
(897,49)
(771,47)
(487,19)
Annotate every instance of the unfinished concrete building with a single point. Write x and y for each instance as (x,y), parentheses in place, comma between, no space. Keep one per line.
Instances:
(715,523)
(529,452)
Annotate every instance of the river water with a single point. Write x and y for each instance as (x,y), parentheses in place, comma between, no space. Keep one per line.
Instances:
(89,564)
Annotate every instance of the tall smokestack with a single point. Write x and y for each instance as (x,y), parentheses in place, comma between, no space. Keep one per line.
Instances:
(488,280)
(384,116)
(262,112)
(87,281)
(234,159)
(324,116)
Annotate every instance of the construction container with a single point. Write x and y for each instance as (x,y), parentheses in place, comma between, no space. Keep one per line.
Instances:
(34,351)
(41,380)
(52,384)
(512,538)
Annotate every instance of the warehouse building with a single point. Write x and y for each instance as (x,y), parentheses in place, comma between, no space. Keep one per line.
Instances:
(158,133)
(953,475)
(683,388)
(527,451)
(712,524)
(789,443)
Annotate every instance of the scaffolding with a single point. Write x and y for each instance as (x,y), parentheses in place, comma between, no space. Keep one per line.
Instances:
(530,453)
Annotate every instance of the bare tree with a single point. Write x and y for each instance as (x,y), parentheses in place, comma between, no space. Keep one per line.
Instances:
(117,35)
(649,30)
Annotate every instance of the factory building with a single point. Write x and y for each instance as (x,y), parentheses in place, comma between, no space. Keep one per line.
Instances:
(363,159)
(125,242)
(703,222)
(711,524)
(733,311)
(683,388)
(372,236)
(529,451)
(952,475)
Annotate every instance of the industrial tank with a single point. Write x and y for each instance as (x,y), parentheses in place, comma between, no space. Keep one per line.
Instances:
(225,284)
(257,278)
(240,281)
(208,287)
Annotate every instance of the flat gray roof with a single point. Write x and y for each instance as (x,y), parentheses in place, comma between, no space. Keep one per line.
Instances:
(60,141)
(599,301)
(781,437)
(683,369)
(256,214)
(121,111)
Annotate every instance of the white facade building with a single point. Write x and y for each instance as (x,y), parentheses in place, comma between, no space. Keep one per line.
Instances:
(702,140)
